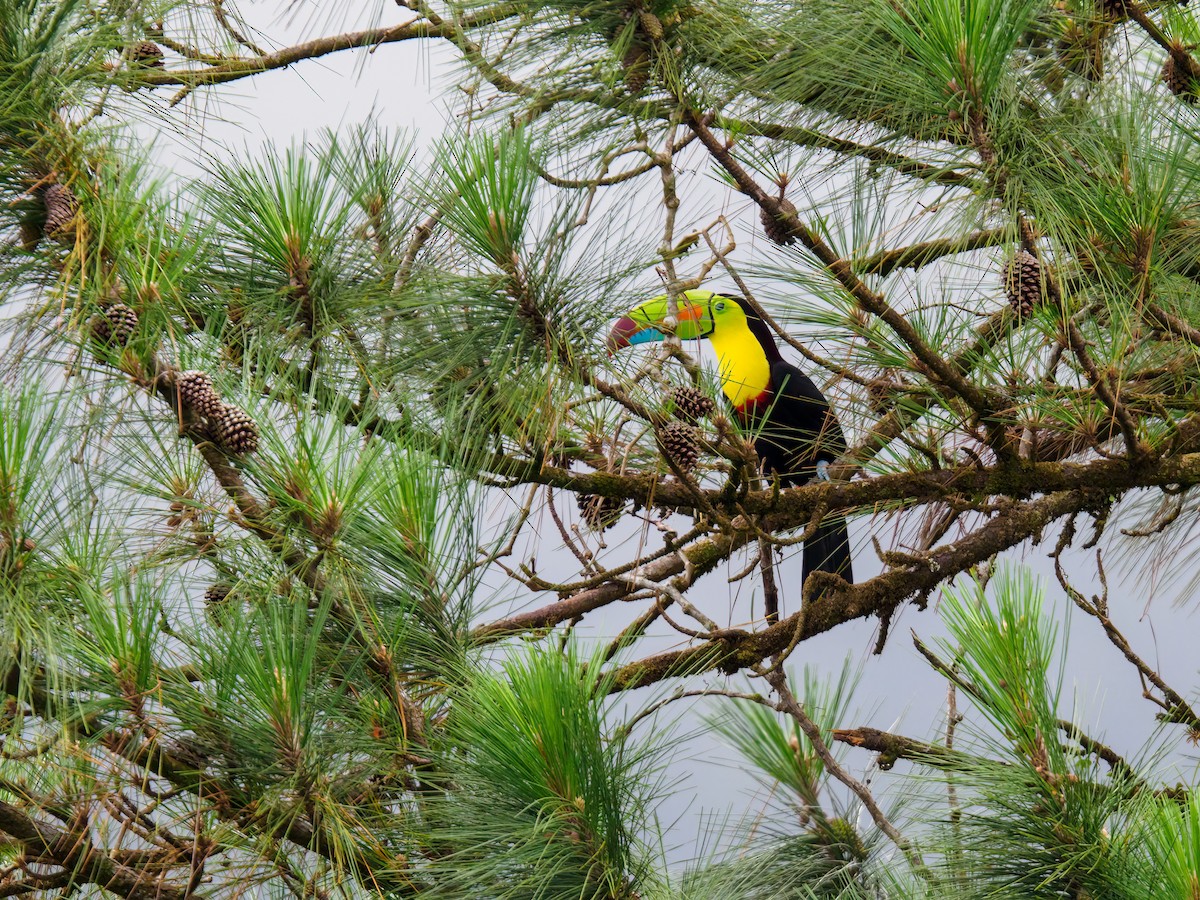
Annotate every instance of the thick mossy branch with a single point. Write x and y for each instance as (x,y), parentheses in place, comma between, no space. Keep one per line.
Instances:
(892,747)
(790,508)
(805,137)
(841,602)
(916,256)
(1056,489)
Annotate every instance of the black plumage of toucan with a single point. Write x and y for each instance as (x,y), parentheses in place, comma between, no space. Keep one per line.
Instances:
(796,433)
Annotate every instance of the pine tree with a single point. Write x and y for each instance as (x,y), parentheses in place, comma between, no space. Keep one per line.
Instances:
(331,524)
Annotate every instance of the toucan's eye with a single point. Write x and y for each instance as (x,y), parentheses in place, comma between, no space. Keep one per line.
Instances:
(719,306)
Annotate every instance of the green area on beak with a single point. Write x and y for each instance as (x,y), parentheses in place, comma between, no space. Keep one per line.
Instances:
(644,322)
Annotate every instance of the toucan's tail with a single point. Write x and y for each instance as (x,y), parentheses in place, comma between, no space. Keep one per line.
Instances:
(828,550)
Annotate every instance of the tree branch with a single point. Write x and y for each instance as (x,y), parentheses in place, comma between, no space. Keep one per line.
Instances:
(234,69)
(839,602)
(806,137)
(915,256)
(792,707)
(50,845)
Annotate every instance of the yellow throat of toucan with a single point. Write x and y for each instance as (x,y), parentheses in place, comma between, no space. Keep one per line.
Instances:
(745,369)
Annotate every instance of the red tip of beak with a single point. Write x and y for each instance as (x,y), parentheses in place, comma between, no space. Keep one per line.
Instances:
(618,338)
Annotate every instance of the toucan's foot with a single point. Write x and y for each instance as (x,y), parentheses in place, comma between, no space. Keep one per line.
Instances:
(823,470)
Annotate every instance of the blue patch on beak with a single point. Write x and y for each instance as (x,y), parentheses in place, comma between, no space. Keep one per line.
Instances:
(646,336)
(627,331)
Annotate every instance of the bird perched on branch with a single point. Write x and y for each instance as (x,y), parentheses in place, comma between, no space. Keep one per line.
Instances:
(795,432)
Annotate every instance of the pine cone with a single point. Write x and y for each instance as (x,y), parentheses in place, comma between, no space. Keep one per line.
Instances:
(637,66)
(31,233)
(216,602)
(197,393)
(1023,282)
(235,431)
(116,326)
(61,207)
(600,513)
(651,24)
(146,54)
(778,230)
(217,593)
(1180,78)
(691,404)
(681,444)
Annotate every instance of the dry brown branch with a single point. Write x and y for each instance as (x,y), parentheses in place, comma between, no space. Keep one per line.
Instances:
(1069,487)
(917,255)
(234,69)
(1175,707)
(791,706)
(702,557)
(840,602)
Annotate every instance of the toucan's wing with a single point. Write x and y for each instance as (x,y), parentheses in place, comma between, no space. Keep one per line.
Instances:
(798,429)
(805,428)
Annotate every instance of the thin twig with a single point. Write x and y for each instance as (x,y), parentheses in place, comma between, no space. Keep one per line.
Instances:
(792,707)
(223,19)
(1176,709)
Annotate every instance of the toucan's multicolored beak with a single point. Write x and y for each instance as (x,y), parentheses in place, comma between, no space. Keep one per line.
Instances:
(644,322)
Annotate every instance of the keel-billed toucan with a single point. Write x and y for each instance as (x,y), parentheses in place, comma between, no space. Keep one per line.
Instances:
(795,430)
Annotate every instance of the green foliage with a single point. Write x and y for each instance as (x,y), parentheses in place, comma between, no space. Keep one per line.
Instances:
(962,49)
(358,658)
(33,493)
(780,751)
(826,857)
(49,53)
(794,868)
(286,222)
(119,659)
(29,484)
(1008,648)
(547,800)
(1039,818)
(373,167)
(1168,830)
(490,184)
